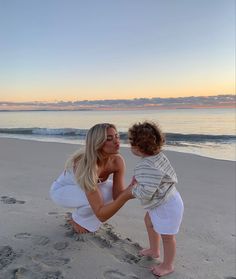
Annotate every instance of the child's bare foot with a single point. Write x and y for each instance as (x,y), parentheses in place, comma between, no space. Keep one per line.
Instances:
(77,227)
(149,252)
(161,270)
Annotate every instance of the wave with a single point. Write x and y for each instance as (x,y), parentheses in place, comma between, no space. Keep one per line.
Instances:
(200,137)
(67,132)
(71,133)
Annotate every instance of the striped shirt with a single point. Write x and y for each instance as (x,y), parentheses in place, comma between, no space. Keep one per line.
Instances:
(156,180)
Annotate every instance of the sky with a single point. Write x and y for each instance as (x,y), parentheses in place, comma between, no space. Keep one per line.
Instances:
(69,50)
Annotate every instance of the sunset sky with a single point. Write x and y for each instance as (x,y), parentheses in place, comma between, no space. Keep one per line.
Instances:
(53,50)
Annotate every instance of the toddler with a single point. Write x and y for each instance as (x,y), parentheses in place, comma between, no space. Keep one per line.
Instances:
(154,185)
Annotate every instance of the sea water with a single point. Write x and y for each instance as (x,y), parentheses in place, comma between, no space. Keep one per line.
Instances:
(205,132)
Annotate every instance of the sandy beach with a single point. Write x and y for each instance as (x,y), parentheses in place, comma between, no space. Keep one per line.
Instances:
(36,242)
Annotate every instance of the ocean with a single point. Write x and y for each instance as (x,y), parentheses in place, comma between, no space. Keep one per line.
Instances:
(205,132)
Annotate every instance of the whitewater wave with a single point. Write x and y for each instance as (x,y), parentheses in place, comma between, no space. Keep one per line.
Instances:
(171,138)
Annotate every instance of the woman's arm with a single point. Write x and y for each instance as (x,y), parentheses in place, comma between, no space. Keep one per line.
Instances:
(118,176)
(104,212)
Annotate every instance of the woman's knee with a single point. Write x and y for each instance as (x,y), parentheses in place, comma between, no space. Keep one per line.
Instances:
(68,196)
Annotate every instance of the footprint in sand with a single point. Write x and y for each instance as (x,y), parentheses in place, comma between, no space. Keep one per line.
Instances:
(23,235)
(7,255)
(23,273)
(50,260)
(125,251)
(105,238)
(52,275)
(40,240)
(37,239)
(124,256)
(9,200)
(60,245)
(102,241)
(115,274)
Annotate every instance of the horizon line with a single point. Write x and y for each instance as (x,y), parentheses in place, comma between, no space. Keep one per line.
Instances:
(107,100)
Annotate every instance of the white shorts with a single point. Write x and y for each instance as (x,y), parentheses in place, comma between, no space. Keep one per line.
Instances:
(67,193)
(167,217)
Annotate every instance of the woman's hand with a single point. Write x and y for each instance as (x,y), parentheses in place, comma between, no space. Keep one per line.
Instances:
(127,193)
(105,211)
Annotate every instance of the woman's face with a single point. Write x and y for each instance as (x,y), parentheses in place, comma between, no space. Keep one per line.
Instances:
(112,144)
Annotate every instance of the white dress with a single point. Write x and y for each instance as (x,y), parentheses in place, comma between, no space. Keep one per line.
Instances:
(66,192)
(155,188)
(167,218)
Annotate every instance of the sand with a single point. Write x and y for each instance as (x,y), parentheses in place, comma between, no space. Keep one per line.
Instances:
(37,243)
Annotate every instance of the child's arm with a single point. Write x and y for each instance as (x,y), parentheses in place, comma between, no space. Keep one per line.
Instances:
(148,179)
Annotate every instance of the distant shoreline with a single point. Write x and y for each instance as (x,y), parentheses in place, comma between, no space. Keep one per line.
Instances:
(230,106)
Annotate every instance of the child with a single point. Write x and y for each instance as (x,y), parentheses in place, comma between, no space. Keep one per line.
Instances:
(155,188)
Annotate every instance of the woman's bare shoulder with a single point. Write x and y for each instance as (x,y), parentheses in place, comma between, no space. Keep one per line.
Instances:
(118,158)
(118,161)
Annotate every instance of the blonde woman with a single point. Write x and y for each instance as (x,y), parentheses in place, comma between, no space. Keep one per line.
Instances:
(85,184)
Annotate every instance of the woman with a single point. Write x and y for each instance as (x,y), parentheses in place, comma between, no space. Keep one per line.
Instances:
(85,183)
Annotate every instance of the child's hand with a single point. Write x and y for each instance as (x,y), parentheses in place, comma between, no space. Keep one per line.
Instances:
(133,181)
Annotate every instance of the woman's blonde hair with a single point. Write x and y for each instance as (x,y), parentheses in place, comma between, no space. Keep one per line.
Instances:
(85,162)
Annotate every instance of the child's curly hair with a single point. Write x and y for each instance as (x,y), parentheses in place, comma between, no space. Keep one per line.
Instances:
(147,136)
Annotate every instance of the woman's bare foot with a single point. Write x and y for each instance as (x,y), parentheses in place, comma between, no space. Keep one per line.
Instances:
(149,252)
(77,227)
(161,270)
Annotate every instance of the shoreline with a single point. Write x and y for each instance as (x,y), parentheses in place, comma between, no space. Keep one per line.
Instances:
(34,230)
(123,145)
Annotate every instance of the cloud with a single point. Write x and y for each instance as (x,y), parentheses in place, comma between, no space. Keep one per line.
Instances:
(136,103)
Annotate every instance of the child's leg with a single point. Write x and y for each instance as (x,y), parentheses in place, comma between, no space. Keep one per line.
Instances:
(154,240)
(169,247)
